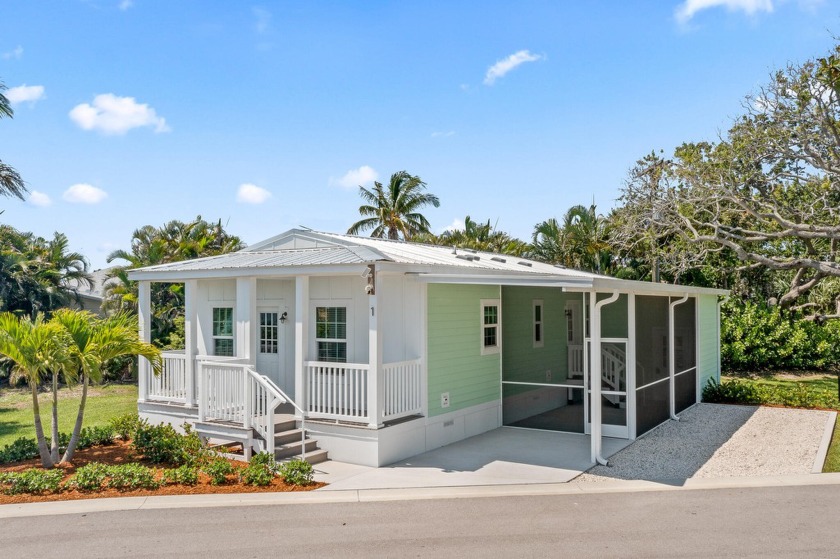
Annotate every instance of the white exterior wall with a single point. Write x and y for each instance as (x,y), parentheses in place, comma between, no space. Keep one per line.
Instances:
(212,293)
(401,306)
(342,291)
(280,296)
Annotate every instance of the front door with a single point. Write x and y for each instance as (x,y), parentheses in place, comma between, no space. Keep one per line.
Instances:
(270,349)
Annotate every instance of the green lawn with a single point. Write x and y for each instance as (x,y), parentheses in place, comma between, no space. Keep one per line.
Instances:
(826,383)
(103,403)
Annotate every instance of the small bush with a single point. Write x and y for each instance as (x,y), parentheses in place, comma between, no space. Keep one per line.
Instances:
(731,392)
(21,449)
(89,477)
(218,469)
(261,470)
(33,480)
(163,444)
(183,475)
(131,476)
(297,472)
(125,425)
(95,436)
(738,391)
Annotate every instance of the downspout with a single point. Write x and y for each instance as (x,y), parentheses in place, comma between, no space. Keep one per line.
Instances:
(721,301)
(671,365)
(595,372)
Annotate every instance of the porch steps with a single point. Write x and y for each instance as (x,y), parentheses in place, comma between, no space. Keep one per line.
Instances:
(288,443)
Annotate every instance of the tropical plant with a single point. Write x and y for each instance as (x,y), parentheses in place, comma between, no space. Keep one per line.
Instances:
(10,182)
(394,211)
(482,236)
(580,242)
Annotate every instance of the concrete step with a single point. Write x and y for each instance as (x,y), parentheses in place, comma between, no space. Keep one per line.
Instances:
(286,437)
(314,457)
(283,425)
(294,448)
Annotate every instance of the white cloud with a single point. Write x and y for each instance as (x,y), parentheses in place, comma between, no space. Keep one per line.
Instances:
(263,23)
(356,177)
(456,225)
(443,134)
(126,4)
(690,8)
(39,199)
(252,194)
(25,94)
(15,53)
(502,67)
(84,194)
(111,114)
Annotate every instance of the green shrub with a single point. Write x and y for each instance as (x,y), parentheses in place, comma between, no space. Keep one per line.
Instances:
(33,480)
(297,472)
(20,449)
(89,477)
(731,392)
(95,436)
(737,391)
(218,469)
(183,475)
(163,444)
(131,476)
(261,470)
(756,337)
(125,425)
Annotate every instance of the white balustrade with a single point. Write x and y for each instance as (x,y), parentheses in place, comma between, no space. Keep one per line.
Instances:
(171,384)
(402,389)
(575,357)
(336,390)
(222,391)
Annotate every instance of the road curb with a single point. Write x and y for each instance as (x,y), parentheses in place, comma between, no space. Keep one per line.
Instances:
(822,451)
(87,506)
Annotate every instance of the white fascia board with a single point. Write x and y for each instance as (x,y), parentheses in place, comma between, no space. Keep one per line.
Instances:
(489,279)
(648,288)
(174,276)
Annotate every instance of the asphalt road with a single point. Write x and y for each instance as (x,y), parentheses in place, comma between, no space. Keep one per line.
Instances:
(762,522)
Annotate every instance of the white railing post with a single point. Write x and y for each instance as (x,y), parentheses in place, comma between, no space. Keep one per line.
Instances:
(203,391)
(248,407)
(374,387)
(190,337)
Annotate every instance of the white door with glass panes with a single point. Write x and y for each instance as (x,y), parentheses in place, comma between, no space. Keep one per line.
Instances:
(270,348)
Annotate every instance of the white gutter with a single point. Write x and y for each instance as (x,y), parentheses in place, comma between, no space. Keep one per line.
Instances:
(595,371)
(671,365)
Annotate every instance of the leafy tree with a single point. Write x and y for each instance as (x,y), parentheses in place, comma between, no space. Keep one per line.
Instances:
(394,210)
(580,242)
(173,242)
(479,236)
(10,182)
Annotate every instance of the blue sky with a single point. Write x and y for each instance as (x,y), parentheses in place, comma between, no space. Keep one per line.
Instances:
(268,115)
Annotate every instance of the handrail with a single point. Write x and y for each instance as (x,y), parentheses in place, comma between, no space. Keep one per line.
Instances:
(284,398)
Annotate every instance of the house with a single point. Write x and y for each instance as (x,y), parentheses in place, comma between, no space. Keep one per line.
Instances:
(376,350)
(91,295)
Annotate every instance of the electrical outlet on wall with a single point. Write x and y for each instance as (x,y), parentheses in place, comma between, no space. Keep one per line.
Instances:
(548,375)
(444,400)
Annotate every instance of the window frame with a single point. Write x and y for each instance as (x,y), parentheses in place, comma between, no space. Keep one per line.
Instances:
(344,340)
(538,326)
(483,326)
(217,337)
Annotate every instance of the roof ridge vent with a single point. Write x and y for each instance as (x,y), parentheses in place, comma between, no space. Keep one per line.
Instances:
(498,259)
(524,263)
(467,257)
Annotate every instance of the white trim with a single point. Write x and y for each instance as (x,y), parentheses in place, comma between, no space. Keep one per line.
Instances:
(347,305)
(631,366)
(541,322)
(494,349)
(214,337)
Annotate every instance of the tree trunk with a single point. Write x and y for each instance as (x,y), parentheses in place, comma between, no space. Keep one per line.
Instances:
(77,429)
(54,442)
(39,430)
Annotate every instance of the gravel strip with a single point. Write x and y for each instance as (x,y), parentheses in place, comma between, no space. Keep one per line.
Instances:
(713,440)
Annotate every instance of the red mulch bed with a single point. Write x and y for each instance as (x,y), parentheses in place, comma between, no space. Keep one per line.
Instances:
(122,453)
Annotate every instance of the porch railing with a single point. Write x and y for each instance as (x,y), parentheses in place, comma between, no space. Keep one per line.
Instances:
(171,384)
(337,390)
(402,389)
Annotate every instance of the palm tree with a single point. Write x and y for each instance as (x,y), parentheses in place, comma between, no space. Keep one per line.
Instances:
(483,236)
(585,239)
(10,182)
(35,349)
(91,343)
(394,210)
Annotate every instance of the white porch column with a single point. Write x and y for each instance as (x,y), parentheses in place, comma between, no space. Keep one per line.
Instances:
(301,338)
(190,337)
(595,372)
(671,354)
(374,392)
(246,318)
(144,316)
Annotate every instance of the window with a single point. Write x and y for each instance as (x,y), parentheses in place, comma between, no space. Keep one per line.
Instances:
(538,323)
(331,333)
(268,332)
(490,323)
(223,331)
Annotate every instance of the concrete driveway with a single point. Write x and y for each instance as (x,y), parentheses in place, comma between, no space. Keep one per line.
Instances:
(504,456)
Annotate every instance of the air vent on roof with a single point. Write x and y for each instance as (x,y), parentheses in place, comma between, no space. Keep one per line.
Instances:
(498,259)
(467,257)
(472,250)
(523,263)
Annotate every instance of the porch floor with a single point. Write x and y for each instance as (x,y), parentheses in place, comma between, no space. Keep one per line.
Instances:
(504,456)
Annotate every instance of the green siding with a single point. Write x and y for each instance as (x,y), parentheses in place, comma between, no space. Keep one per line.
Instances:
(707,324)
(522,361)
(454,348)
